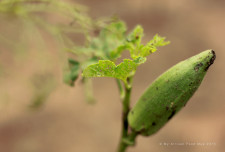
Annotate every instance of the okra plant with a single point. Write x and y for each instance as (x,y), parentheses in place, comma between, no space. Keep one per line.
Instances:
(163,98)
(105,41)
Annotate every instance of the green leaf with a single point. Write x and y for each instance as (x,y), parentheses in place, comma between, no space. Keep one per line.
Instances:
(152,45)
(71,75)
(139,60)
(107,44)
(125,69)
(133,42)
(110,39)
(107,68)
(149,48)
(115,29)
(136,35)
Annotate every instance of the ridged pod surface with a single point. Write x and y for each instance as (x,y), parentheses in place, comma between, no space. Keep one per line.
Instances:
(169,93)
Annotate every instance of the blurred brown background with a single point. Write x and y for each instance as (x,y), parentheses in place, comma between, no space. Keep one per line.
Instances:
(66,123)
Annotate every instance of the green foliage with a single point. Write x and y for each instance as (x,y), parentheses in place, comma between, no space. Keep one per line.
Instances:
(34,12)
(136,35)
(107,68)
(111,42)
(104,39)
(108,40)
(152,45)
(72,74)
(139,50)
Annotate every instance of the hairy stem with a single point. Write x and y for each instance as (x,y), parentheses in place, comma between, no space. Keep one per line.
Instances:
(127,139)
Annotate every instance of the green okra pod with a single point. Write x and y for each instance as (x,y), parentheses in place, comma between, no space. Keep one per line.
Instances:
(169,93)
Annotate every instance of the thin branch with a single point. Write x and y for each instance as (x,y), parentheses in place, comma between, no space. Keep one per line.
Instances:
(121,89)
(126,138)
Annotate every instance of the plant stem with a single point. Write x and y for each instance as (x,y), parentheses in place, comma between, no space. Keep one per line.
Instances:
(121,90)
(126,138)
(128,141)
